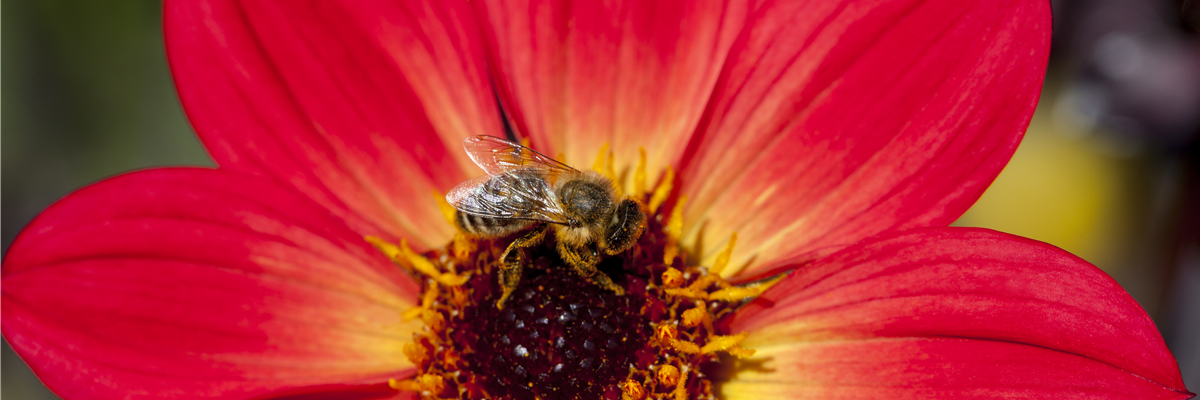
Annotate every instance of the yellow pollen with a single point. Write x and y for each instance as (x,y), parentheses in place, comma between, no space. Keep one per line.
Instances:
(719,343)
(699,288)
(415,353)
(663,190)
(604,165)
(681,386)
(674,230)
(407,258)
(426,384)
(672,278)
(667,375)
(639,175)
(738,293)
(427,300)
(632,390)
(462,246)
(525,141)
(666,333)
(723,258)
(698,316)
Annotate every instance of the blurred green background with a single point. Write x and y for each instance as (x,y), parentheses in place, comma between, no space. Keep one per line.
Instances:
(1108,169)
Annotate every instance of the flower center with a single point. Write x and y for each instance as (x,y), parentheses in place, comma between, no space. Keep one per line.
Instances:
(558,335)
(562,336)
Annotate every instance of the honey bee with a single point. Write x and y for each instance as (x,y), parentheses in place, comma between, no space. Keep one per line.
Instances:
(525,190)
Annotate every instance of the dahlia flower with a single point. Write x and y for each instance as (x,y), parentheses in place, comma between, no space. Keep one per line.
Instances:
(799,162)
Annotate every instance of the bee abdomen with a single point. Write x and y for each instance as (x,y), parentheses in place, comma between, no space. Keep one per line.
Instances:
(487,226)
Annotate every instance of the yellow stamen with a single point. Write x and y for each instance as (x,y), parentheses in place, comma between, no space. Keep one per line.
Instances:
(719,343)
(632,390)
(525,142)
(427,300)
(737,293)
(698,316)
(426,384)
(639,175)
(598,166)
(667,334)
(674,229)
(407,258)
(702,283)
(407,385)
(740,352)
(663,190)
(462,246)
(604,165)
(444,206)
(723,258)
(415,353)
(411,313)
(672,278)
(681,387)
(667,375)
(688,292)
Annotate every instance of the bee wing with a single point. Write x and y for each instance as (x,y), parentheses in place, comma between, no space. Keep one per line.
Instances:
(516,194)
(498,156)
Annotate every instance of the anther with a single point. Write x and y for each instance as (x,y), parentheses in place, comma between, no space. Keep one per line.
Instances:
(667,375)
(459,296)
(408,258)
(666,333)
(433,319)
(427,300)
(416,353)
(632,390)
(462,246)
(426,384)
(697,316)
(672,278)
(720,343)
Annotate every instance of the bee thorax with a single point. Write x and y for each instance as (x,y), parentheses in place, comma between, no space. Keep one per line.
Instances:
(586,200)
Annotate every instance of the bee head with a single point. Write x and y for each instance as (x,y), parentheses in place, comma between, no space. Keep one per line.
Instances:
(585,201)
(625,227)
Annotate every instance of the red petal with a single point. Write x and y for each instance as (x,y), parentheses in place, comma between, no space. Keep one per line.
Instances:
(361,105)
(579,75)
(835,121)
(200,283)
(952,313)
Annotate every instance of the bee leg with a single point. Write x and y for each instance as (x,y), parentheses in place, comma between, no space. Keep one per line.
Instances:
(584,259)
(512,261)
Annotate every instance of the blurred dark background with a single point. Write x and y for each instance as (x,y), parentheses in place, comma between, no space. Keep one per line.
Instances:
(1110,168)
